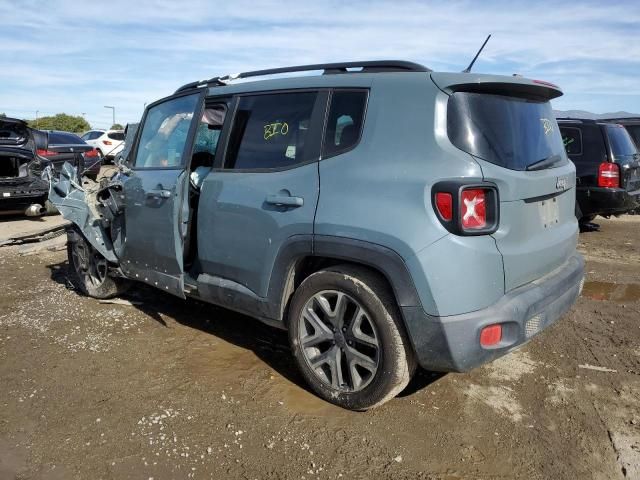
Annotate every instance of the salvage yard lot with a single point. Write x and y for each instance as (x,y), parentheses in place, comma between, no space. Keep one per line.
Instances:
(167,389)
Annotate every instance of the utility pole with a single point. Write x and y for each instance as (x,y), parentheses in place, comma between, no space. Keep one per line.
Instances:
(113,112)
(37,119)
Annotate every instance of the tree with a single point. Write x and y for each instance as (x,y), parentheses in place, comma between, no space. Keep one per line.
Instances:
(117,126)
(61,121)
(3,115)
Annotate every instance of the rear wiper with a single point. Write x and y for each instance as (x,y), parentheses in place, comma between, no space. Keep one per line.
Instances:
(544,163)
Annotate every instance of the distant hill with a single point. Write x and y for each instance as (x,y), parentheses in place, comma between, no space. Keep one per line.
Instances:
(593,116)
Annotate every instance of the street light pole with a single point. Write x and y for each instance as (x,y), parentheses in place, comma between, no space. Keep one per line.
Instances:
(113,112)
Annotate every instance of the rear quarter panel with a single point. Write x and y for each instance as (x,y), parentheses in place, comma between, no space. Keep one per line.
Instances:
(380,192)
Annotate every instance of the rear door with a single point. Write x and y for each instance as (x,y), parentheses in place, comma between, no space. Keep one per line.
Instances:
(156,191)
(515,138)
(266,193)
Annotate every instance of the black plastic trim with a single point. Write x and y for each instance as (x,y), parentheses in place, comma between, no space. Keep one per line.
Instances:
(378,257)
(373,66)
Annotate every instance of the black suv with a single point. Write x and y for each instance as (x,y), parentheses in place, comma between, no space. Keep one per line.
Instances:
(632,124)
(607,167)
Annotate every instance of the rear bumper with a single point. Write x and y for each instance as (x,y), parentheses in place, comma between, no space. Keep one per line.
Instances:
(606,201)
(453,343)
(15,197)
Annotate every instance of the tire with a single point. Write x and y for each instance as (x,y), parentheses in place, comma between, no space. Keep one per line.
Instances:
(89,271)
(337,357)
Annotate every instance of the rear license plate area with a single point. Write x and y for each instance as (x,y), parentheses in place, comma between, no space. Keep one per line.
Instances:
(549,211)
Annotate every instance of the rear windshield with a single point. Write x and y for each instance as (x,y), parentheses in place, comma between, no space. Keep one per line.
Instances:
(116,136)
(63,138)
(512,132)
(620,141)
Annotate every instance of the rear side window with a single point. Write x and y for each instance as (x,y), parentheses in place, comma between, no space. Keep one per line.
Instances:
(512,132)
(63,138)
(119,136)
(344,125)
(271,131)
(620,141)
(572,139)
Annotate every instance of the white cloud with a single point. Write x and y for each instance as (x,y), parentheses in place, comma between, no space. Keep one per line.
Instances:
(83,54)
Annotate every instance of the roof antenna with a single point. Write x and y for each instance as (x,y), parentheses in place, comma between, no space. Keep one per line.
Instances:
(468,69)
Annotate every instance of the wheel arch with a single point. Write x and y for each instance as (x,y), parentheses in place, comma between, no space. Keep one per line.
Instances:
(293,265)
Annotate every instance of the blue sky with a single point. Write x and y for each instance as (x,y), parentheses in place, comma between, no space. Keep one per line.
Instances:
(76,57)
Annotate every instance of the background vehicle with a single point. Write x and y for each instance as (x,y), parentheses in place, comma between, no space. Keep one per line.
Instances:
(20,168)
(108,143)
(384,214)
(632,124)
(69,147)
(607,167)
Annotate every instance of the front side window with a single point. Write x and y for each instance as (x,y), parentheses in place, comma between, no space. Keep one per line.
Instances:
(344,125)
(572,139)
(164,133)
(271,131)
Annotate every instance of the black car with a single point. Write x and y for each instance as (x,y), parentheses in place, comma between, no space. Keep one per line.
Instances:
(21,185)
(69,147)
(607,167)
(632,124)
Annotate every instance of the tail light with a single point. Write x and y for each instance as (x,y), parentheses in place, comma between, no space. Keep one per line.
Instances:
(473,209)
(46,153)
(609,175)
(106,142)
(93,153)
(444,204)
(467,208)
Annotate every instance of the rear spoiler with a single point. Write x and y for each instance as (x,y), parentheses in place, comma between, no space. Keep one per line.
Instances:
(496,85)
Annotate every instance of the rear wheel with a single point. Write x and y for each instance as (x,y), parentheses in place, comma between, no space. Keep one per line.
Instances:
(347,338)
(89,270)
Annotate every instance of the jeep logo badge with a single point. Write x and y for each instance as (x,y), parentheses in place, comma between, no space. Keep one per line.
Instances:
(561,183)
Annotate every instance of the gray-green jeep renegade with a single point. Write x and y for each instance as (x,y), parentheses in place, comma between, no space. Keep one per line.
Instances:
(386,215)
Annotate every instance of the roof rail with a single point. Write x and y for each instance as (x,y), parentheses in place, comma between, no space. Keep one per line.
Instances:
(328,68)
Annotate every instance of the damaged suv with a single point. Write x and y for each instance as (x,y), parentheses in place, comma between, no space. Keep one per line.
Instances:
(386,215)
(22,190)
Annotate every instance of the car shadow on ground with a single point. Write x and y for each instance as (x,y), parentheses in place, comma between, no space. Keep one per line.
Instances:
(269,344)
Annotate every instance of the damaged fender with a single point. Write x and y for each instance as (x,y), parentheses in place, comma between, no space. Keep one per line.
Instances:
(78,205)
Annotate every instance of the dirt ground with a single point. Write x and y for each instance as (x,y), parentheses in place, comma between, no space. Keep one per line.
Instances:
(168,389)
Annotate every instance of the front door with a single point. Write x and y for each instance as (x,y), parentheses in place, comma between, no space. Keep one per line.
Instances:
(156,194)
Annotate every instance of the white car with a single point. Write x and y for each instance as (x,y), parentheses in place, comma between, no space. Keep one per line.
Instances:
(108,143)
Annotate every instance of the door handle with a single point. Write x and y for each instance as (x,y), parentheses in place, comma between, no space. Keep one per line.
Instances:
(285,200)
(159,193)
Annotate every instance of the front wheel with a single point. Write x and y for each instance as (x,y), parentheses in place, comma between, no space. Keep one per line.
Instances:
(89,270)
(347,338)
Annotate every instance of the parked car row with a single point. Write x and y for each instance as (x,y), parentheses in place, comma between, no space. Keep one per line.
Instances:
(25,152)
(607,164)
